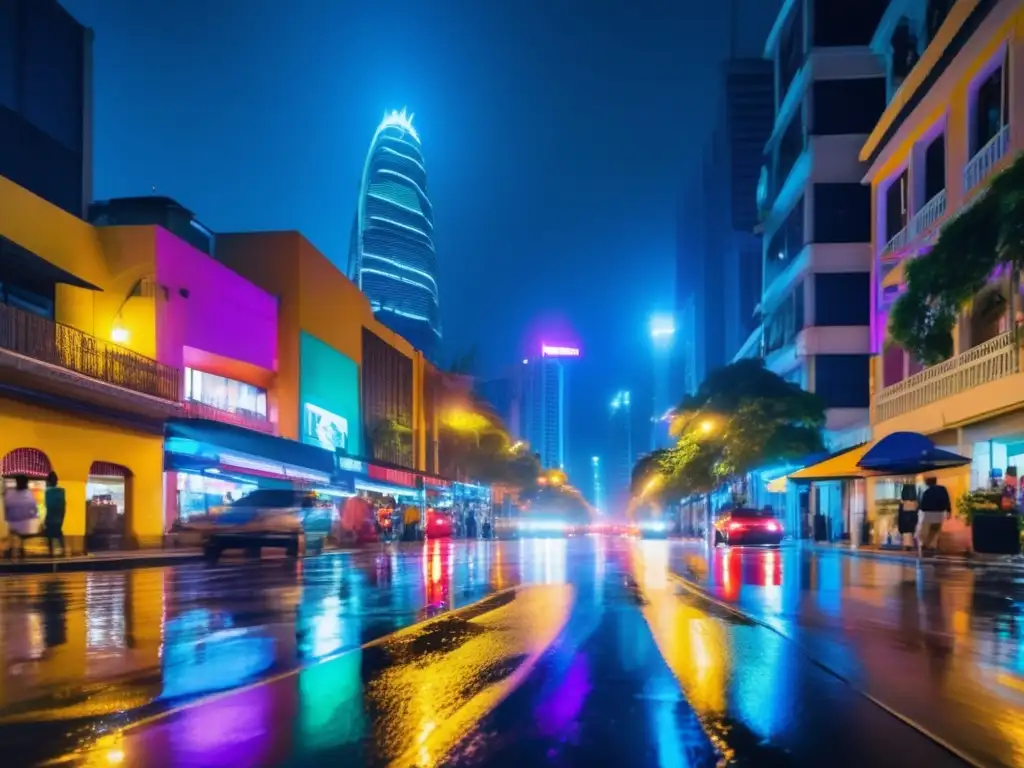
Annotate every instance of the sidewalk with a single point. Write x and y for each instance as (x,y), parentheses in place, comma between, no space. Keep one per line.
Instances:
(970,560)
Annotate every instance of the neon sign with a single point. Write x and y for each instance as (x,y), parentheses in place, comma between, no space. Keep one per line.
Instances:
(552,351)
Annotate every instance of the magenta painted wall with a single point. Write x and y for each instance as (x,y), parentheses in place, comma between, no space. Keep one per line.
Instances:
(223,314)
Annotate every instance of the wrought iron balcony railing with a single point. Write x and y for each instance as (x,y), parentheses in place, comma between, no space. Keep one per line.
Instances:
(42,339)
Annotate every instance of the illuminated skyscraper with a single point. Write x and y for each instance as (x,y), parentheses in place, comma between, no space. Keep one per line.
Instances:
(545,404)
(391,256)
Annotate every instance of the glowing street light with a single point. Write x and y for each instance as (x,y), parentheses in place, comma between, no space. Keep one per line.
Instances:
(662,327)
(707,426)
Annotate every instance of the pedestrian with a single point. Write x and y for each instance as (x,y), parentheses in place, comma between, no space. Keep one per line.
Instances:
(933,509)
(53,525)
(906,515)
(21,515)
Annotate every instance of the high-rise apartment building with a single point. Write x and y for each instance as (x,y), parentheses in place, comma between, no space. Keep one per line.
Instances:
(391,254)
(46,102)
(545,404)
(830,89)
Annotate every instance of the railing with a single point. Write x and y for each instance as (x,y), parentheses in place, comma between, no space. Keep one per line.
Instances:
(993,360)
(61,345)
(984,161)
(923,220)
(929,215)
(897,241)
(246,419)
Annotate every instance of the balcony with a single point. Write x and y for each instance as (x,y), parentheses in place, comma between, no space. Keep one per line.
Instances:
(921,224)
(984,162)
(929,215)
(245,419)
(39,349)
(986,363)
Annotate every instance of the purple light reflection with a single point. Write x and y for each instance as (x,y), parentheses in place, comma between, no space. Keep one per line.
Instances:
(561,709)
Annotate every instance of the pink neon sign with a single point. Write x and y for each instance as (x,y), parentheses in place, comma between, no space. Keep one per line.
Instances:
(552,351)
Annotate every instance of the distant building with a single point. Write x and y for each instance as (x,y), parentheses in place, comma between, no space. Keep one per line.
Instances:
(597,484)
(620,455)
(545,404)
(391,255)
(46,102)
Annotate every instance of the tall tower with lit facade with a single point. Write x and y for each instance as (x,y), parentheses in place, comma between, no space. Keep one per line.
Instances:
(391,255)
(545,403)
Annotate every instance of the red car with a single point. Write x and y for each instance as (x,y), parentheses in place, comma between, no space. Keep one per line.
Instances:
(439,524)
(748,527)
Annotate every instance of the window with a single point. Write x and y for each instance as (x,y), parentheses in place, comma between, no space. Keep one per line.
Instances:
(791,145)
(839,24)
(896,206)
(791,50)
(842,381)
(842,298)
(991,107)
(785,244)
(935,167)
(782,325)
(849,106)
(842,213)
(225,394)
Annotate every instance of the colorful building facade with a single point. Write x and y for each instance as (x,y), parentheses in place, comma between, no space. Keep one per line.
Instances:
(955,119)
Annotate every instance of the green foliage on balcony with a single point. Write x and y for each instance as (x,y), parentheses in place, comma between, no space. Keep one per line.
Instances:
(987,234)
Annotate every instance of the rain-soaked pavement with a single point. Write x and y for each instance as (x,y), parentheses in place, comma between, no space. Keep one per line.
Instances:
(583,652)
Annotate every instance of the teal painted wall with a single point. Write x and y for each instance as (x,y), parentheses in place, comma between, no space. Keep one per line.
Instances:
(328,382)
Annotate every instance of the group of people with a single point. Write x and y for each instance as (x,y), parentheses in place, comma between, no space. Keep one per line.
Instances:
(21,515)
(922,518)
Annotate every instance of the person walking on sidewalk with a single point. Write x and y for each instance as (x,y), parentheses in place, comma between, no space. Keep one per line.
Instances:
(53,525)
(21,515)
(933,510)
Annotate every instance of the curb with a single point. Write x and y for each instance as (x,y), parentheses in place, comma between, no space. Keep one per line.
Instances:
(702,593)
(72,565)
(966,562)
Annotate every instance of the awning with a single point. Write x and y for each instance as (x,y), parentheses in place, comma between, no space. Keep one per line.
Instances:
(898,454)
(229,438)
(839,466)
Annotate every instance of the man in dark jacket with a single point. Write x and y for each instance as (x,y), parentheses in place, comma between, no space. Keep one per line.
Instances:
(933,510)
(56,506)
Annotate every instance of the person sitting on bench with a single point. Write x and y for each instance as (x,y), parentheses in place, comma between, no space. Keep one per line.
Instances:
(21,515)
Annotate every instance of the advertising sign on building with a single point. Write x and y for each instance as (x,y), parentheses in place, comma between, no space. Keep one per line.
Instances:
(326,429)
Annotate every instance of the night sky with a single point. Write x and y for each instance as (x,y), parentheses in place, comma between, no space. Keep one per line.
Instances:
(556,134)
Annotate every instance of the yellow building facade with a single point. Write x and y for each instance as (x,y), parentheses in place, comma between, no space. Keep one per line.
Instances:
(72,400)
(954,122)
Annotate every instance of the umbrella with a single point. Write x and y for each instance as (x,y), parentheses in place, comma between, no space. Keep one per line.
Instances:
(908,453)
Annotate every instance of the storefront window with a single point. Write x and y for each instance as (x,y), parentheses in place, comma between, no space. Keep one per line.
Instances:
(225,394)
(197,494)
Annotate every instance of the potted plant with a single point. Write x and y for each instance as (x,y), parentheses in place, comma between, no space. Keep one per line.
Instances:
(993,522)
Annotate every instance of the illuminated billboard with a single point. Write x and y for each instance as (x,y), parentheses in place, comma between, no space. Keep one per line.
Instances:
(328,397)
(550,350)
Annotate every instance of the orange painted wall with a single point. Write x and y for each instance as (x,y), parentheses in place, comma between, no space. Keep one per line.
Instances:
(317,298)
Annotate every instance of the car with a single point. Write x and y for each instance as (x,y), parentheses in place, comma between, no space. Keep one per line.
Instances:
(439,524)
(743,526)
(653,529)
(548,527)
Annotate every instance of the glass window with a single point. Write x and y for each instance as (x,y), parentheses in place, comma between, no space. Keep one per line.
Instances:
(842,213)
(935,167)
(847,106)
(225,394)
(843,24)
(990,108)
(842,298)
(842,381)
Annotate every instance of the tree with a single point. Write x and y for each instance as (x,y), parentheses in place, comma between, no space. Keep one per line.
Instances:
(742,417)
(986,235)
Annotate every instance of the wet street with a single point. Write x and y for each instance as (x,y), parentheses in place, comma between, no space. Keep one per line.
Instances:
(580,652)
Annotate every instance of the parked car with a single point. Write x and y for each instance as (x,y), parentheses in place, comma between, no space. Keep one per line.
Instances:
(743,526)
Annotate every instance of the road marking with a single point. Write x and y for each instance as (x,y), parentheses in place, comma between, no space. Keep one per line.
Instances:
(702,593)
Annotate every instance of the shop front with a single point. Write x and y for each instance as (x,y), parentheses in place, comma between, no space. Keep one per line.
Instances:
(208,465)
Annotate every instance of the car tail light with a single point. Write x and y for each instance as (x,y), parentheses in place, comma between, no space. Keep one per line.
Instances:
(773,526)
(736,526)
